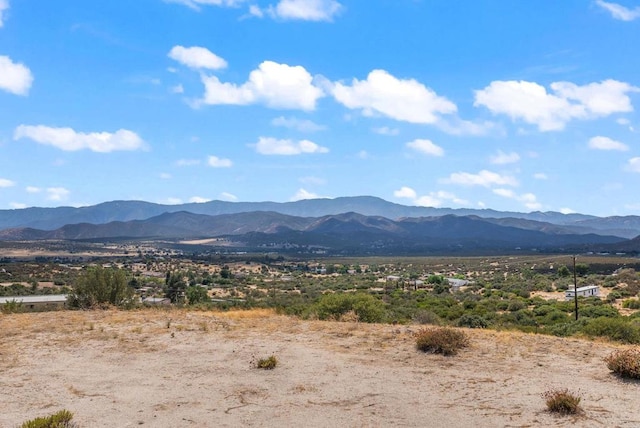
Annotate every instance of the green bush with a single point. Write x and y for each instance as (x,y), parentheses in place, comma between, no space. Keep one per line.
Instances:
(334,306)
(441,340)
(617,329)
(625,363)
(631,304)
(562,401)
(473,321)
(61,419)
(424,316)
(12,307)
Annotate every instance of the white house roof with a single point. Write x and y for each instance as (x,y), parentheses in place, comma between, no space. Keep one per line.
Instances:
(47,298)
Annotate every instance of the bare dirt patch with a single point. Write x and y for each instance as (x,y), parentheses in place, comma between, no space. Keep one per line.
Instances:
(170,368)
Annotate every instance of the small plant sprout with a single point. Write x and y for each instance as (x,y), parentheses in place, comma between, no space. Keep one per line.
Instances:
(268,363)
(562,401)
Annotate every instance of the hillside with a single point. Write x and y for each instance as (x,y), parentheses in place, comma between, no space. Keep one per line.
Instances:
(124,211)
(177,368)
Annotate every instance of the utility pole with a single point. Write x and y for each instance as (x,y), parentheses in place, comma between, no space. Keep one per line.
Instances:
(575,287)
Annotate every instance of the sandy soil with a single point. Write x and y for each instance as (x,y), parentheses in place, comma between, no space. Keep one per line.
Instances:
(196,369)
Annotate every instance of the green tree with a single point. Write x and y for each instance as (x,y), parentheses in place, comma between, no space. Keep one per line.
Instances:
(563,271)
(197,295)
(175,286)
(100,286)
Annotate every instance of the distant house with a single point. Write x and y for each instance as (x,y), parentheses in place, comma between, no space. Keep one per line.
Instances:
(393,278)
(456,283)
(587,291)
(156,301)
(38,303)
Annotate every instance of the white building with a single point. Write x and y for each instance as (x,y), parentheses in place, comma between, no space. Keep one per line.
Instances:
(40,302)
(587,291)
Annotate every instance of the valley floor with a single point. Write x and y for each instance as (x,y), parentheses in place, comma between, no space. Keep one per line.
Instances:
(177,368)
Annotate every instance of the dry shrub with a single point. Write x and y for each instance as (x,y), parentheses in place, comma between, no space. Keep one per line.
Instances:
(562,401)
(441,340)
(625,363)
(269,363)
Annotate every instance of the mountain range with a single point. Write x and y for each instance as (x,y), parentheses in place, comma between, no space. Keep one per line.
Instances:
(349,224)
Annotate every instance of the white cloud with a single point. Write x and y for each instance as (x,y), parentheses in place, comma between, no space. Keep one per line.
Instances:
(567,211)
(304,194)
(502,158)
(165,176)
(173,201)
(4,5)
(57,193)
(306,10)
(4,182)
(623,121)
(275,85)
(405,192)
(633,164)
(531,103)
(255,10)
(15,78)
(226,196)
(483,178)
(606,143)
(620,12)
(17,205)
(33,189)
(197,57)
(457,126)
(178,89)
(540,176)
(302,125)
(187,162)
(405,100)
(426,147)
(385,130)
(217,162)
(69,140)
(273,146)
(433,199)
(198,200)
(362,154)
(195,4)
(529,200)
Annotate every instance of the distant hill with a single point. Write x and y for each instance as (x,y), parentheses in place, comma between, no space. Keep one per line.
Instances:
(350,232)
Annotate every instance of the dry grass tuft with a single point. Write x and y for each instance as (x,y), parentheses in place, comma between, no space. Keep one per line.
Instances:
(441,340)
(562,401)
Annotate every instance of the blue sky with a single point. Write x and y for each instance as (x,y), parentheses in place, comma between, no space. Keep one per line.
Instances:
(510,105)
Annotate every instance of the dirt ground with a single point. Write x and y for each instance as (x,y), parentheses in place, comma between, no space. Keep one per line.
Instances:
(173,368)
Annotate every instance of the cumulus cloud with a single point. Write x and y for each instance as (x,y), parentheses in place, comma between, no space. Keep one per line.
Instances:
(173,201)
(457,126)
(404,100)
(633,164)
(567,211)
(274,146)
(195,4)
(4,182)
(302,125)
(197,57)
(433,199)
(529,200)
(33,189)
(57,193)
(70,140)
(226,196)
(15,78)
(551,111)
(217,162)
(540,176)
(426,147)
(606,143)
(483,178)
(620,12)
(275,85)
(4,5)
(385,130)
(502,158)
(198,200)
(304,10)
(187,162)
(304,194)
